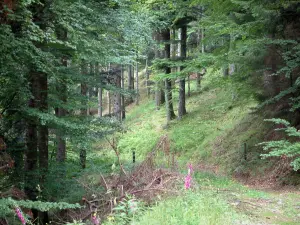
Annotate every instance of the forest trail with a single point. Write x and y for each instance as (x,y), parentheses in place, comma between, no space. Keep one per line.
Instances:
(261,204)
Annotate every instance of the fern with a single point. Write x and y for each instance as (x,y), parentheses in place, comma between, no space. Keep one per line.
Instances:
(7,205)
(284,148)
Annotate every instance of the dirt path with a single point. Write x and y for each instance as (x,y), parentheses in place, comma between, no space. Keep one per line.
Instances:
(265,205)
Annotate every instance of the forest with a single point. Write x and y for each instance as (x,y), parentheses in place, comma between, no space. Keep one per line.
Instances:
(155,112)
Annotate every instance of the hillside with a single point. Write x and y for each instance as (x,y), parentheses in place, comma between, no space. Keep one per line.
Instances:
(219,137)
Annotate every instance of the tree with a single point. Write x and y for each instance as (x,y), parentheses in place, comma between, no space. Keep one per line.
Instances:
(183,54)
(168,82)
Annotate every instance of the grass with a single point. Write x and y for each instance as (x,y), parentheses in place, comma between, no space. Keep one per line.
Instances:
(218,123)
(189,209)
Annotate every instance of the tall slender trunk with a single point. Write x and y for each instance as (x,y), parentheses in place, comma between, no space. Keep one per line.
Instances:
(202,41)
(183,51)
(130,82)
(108,102)
(200,37)
(117,97)
(100,101)
(31,152)
(43,129)
(159,93)
(123,115)
(147,79)
(84,111)
(137,83)
(189,86)
(168,82)
(43,164)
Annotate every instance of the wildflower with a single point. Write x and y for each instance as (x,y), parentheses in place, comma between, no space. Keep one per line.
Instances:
(188,178)
(20,215)
(187,182)
(95,219)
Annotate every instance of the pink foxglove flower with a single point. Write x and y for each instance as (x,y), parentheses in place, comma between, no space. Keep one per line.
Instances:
(20,215)
(187,182)
(188,178)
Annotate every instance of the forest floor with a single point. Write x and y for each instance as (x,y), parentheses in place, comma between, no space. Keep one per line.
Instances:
(219,137)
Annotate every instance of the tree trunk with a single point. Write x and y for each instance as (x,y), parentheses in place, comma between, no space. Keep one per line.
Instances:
(137,83)
(198,81)
(189,86)
(168,82)
(123,115)
(43,129)
(183,51)
(130,82)
(31,153)
(202,41)
(117,97)
(84,111)
(100,101)
(147,79)
(159,93)
(108,103)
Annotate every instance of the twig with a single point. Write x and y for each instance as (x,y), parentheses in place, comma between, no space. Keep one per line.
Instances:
(171,178)
(152,189)
(118,156)
(104,182)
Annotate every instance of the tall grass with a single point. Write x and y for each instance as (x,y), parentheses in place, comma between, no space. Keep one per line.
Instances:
(191,208)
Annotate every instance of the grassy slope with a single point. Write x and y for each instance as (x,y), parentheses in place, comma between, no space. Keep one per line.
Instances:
(212,135)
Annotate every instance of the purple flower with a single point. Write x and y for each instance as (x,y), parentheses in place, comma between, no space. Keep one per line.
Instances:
(188,178)
(20,215)
(187,182)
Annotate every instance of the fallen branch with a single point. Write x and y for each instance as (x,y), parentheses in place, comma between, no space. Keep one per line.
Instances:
(113,146)
(104,182)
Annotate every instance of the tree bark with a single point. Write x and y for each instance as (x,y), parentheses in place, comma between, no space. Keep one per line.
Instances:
(31,152)
(130,82)
(189,86)
(137,83)
(43,129)
(100,97)
(168,82)
(123,114)
(147,79)
(159,93)
(183,51)
(84,111)
(108,102)
(117,97)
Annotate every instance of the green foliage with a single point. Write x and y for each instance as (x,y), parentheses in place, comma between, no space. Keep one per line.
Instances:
(7,206)
(126,210)
(190,208)
(284,148)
